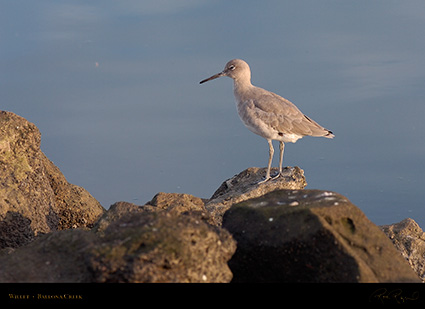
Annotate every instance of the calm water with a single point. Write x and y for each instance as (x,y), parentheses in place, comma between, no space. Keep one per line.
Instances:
(114,89)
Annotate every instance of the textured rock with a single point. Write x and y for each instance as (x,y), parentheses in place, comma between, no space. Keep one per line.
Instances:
(245,186)
(310,236)
(74,205)
(137,247)
(35,197)
(161,202)
(162,247)
(409,239)
(180,201)
(55,257)
(116,212)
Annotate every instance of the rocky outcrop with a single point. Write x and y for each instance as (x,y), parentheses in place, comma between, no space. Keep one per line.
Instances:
(170,239)
(244,186)
(35,197)
(409,239)
(162,247)
(53,231)
(310,236)
(137,247)
(162,202)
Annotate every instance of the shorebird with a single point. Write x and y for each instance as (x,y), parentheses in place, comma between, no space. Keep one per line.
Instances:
(268,114)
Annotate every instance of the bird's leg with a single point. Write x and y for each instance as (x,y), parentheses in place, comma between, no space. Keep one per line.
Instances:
(281,148)
(271,152)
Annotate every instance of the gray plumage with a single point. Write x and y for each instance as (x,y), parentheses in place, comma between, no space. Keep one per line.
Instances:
(268,114)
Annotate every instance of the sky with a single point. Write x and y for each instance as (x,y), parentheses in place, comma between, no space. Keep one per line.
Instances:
(114,88)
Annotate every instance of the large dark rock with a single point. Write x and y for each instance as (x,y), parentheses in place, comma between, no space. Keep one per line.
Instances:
(409,239)
(310,236)
(35,197)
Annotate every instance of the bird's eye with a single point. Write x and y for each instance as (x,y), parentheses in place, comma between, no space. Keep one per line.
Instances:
(231,67)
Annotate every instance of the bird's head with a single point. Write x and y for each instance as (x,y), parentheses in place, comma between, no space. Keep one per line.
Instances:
(236,69)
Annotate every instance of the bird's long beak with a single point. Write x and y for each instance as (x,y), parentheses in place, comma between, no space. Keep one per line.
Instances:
(213,77)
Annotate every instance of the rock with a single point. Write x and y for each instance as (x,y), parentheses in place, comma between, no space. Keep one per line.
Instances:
(35,197)
(162,247)
(283,233)
(409,239)
(161,202)
(182,202)
(74,205)
(310,236)
(57,257)
(117,211)
(245,186)
(15,230)
(138,247)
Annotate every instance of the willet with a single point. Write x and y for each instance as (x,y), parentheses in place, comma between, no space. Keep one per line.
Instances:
(268,114)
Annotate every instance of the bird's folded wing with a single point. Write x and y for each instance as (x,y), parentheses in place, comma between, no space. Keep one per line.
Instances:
(284,116)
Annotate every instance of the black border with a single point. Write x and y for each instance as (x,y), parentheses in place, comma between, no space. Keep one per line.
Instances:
(216,294)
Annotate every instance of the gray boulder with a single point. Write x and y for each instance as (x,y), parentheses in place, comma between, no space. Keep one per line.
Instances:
(310,236)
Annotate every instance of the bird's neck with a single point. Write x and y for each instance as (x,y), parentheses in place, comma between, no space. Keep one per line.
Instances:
(241,84)
(241,88)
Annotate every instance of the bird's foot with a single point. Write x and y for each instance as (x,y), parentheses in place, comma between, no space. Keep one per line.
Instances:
(267,178)
(264,180)
(276,176)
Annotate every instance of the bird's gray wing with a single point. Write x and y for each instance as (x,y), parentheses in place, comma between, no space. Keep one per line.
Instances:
(282,115)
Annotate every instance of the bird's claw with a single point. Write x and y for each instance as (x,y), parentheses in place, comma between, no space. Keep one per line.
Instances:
(267,178)
(264,180)
(277,176)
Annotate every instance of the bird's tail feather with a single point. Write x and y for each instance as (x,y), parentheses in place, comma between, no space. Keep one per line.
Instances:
(329,134)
